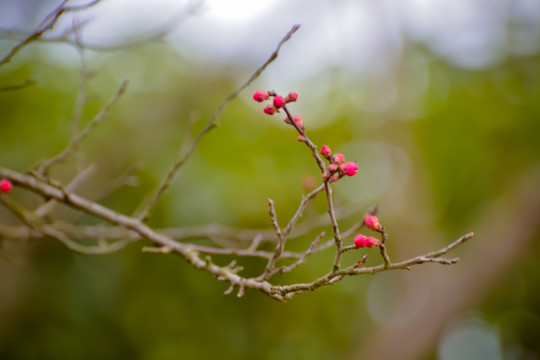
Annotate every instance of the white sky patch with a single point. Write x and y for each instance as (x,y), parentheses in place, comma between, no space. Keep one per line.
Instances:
(360,36)
(233,12)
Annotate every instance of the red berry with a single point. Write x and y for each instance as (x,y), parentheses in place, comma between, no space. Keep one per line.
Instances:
(291,97)
(278,101)
(261,95)
(5,186)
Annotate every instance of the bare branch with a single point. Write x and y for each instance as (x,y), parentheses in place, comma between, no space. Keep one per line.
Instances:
(191,254)
(72,147)
(210,124)
(303,258)
(72,186)
(279,247)
(45,25)
(16,86)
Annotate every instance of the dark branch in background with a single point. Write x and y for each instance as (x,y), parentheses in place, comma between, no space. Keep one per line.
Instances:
(156,35)
(119,230)
(45,25)
(16,86)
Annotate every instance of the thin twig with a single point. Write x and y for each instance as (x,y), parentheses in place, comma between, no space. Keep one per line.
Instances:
(298,214)
(71,148)
(155,35)
(279,247)
(338,241)
(382,247)
(127,178)
(45,25)
(17,85)
(81,177)
(85,75)
(210,124)
(192,256)
(303,258)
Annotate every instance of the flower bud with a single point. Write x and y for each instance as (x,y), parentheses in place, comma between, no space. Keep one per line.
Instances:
(278,101)
(332,168)
(339,158)
(291,97)
(372,223)
(5,186)
(361,241)
(270,109)
(325,151)
(349,168)
(261,95)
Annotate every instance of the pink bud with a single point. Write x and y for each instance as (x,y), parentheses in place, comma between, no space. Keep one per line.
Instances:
(298,121)
(291,97)
(325,176)
(5,186)
(325,151)
(372,223)
(339,158)
(278,101)
(332,168)
(270,109)
(361,241)
(349,168)
(261,95)
(301,138)
(371,242)
(334,178)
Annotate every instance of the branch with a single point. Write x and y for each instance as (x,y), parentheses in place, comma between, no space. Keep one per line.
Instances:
(190,253)
(17,85)
(210,124)
(72,147)
(45,25)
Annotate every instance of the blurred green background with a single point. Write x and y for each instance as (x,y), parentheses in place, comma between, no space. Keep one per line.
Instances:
(442,147)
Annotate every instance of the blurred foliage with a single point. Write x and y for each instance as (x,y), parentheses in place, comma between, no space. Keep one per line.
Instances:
(470,134)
